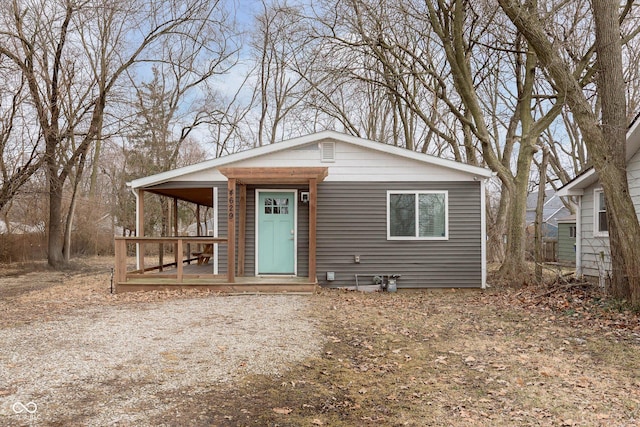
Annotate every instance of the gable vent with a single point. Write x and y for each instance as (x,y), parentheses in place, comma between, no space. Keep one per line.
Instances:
(328,150)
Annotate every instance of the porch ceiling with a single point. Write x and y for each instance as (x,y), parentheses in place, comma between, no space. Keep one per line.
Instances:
(278,175)
(200,196)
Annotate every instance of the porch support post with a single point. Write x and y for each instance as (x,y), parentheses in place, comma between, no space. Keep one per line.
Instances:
(176,247)
(231,230)
(242,227)
(313,208)
(198,228)
(140,228)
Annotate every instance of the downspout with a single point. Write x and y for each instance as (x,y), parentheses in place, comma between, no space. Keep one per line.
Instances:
(579,238)
(483,233)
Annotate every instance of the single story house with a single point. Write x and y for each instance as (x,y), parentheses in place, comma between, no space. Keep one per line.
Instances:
(553,209)
(593,256)
(325,209)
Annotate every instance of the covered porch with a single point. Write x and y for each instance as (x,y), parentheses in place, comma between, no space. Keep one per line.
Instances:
(196,261)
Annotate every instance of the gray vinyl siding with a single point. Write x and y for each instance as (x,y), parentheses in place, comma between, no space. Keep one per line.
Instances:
(352,220)
(566,243)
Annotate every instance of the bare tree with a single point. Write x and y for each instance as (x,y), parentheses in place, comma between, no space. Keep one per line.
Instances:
(279,43)
(72,55)
(20,157)
(605,139)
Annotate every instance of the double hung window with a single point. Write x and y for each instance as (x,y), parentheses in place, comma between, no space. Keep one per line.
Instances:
(600,224)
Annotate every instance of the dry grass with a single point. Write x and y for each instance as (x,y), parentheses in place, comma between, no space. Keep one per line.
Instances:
(443,358)
(502,357)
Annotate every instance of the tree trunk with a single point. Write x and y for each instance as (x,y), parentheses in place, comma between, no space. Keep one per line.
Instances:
(606,144)
(496,237)
(540,215)
(625,246)
(55,245)
(66,249)
(515,264)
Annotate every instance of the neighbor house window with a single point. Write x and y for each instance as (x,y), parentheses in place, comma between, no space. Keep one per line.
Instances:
(572,231)
(417,215)
(601,227)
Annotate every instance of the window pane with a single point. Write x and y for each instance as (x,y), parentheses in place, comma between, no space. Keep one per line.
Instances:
(284,210)
(268,202)
(402,215)
(431,215)
(267,209)
(603,225)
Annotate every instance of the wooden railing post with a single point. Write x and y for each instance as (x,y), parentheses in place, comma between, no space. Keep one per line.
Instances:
(179,260)
(120,273)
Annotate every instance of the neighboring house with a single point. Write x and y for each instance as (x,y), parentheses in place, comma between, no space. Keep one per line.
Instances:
(20,228)
(553,209)
(330,206)
(592,232)
(567,240)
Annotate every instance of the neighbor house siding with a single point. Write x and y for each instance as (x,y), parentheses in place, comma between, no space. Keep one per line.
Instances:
(566,243)
(352,220)
(595,249)
(633,176)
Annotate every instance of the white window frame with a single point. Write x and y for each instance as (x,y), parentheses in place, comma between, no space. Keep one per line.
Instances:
(596,214)
(417,193)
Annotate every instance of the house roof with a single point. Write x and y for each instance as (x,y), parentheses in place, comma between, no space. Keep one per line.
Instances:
(576,186)
(553,208)
(571,219)
(304,140)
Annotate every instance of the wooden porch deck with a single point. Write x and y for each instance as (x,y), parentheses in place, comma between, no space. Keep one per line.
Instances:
(183,271)
(241,285)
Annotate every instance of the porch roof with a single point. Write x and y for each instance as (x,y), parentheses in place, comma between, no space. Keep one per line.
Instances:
(200,192)
(275,175)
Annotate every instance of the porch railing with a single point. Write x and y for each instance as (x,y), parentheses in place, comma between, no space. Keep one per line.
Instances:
(182,251)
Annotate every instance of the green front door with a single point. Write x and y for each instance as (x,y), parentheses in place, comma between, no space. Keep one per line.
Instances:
(276,232)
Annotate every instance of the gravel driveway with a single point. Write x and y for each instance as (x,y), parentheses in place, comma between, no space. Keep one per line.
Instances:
(104,365)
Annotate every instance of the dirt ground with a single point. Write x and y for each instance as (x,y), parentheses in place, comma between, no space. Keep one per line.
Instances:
(555,355)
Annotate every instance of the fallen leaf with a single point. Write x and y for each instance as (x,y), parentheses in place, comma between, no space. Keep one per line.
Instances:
(283,411)
(317,422)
